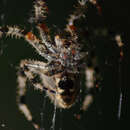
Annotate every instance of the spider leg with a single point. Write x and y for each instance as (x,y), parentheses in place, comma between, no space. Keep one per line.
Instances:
(32,71)
(44,35)
(40,14)
(77,14)
(90,84)
(92,79)
(40,11)
(16,32)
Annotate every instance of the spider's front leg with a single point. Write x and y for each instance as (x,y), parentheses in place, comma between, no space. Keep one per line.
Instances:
(32,71)
(40,14)
(80,12)
(40,11)
(17,33)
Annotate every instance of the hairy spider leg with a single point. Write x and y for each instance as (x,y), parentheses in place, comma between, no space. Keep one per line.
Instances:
(40,11)
(40,14)
(44,35)
(32,71)
(16,32)
(77,14)
(92,84)
(80,11)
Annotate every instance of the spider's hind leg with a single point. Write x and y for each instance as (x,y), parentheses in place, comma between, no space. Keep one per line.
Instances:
(92,87)
(32,71)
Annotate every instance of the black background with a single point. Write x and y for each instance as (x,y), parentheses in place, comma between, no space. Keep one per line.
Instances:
(103,113)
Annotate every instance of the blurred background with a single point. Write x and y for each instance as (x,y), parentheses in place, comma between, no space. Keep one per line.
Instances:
(102,114)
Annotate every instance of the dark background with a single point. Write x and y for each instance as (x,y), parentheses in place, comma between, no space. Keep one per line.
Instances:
(103,112)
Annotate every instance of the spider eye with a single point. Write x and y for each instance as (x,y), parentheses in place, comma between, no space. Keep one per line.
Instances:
(64,84)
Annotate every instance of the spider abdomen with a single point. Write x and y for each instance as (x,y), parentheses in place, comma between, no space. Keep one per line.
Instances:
(67,90)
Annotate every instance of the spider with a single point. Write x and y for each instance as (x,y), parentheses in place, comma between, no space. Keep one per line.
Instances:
(65,62)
